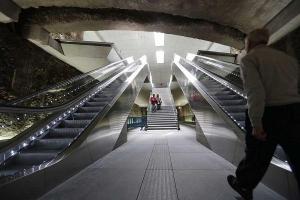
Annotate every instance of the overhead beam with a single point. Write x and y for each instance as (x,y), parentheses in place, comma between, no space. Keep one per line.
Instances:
(285,21)
(62,19)
(9,11)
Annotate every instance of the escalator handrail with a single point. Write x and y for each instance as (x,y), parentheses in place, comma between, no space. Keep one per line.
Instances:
(65,82)
(224,82)
(23,109)
(236,66)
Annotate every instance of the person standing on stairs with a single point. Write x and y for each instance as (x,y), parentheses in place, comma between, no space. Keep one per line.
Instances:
(153,102)
(158,99)
(270,80)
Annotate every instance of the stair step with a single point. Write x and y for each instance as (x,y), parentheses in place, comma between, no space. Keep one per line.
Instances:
(95,104)
(227,97)
(12,169)
(98,98)
(74,123)
(63,132)
(234,109)
(50,144)
(232,102)
(89,109)
(82,116)
(33,158)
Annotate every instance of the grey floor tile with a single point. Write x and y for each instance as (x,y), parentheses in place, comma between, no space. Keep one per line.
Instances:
(124,160)
(108,184)
(202,184)
(204,161)
(158,185)
(188,149)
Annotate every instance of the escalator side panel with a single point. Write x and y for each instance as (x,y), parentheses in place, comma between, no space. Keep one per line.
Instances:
(220,136)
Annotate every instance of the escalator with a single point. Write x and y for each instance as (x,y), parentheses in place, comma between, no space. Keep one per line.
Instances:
(211,83)
(75,132)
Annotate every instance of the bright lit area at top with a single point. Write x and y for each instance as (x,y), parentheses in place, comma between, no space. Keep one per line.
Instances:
(158,47)
(160,57)
(159,39)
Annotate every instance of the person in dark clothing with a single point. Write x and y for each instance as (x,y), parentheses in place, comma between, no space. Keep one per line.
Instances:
(158,99)
(270,80)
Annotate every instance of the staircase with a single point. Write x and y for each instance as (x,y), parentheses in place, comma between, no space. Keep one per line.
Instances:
(166,117)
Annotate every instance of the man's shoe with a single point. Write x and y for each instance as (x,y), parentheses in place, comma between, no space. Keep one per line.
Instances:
(245,193)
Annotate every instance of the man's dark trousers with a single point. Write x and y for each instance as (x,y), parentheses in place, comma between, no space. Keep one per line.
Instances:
(282,125)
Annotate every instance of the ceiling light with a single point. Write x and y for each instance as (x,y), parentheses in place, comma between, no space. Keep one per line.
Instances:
(159,39)
(160,56)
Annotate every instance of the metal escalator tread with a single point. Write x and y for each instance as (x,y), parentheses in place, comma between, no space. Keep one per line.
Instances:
(238,116)
(89,109)
(235,109)
(74,123)
(227,92)
(82,116)
(63,132)
(99,99)
(12,169)
(227,97)
(50,144)
(33,158)
(232,102)
(93,104)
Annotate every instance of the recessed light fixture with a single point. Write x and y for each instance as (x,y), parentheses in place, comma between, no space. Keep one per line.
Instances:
(159,39)
(160,56)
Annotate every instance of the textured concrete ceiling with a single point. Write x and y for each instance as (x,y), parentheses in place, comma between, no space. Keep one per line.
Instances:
(222,21)
(234,13)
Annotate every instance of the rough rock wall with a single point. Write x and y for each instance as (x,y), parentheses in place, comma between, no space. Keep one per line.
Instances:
(25,68)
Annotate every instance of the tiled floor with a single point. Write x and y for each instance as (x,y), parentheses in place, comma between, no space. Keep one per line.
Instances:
(156,165)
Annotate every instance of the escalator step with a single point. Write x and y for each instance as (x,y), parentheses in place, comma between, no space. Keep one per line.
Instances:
(82,116)
(50,144)
(232,102)
(89,109)
(35,158)
(99,98)
(63,132)
(238,116)
(227,97)
(94,104)
(74,123)
(235,109)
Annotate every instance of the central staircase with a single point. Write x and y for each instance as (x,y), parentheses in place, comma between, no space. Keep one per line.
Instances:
(166,118)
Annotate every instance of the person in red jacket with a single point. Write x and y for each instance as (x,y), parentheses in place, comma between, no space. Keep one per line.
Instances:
(153,102)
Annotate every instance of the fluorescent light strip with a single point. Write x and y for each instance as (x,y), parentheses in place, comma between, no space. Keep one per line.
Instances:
(159,39)
(160,56)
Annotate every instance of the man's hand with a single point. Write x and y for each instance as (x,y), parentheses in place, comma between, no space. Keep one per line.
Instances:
(259,133)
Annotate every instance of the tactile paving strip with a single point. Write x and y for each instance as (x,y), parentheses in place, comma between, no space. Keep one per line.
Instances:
(160,158)
(158,185)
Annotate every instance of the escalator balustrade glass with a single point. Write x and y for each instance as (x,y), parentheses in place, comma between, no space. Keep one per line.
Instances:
(222,89)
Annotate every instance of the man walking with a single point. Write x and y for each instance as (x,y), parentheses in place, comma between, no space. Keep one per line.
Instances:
(273,117)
